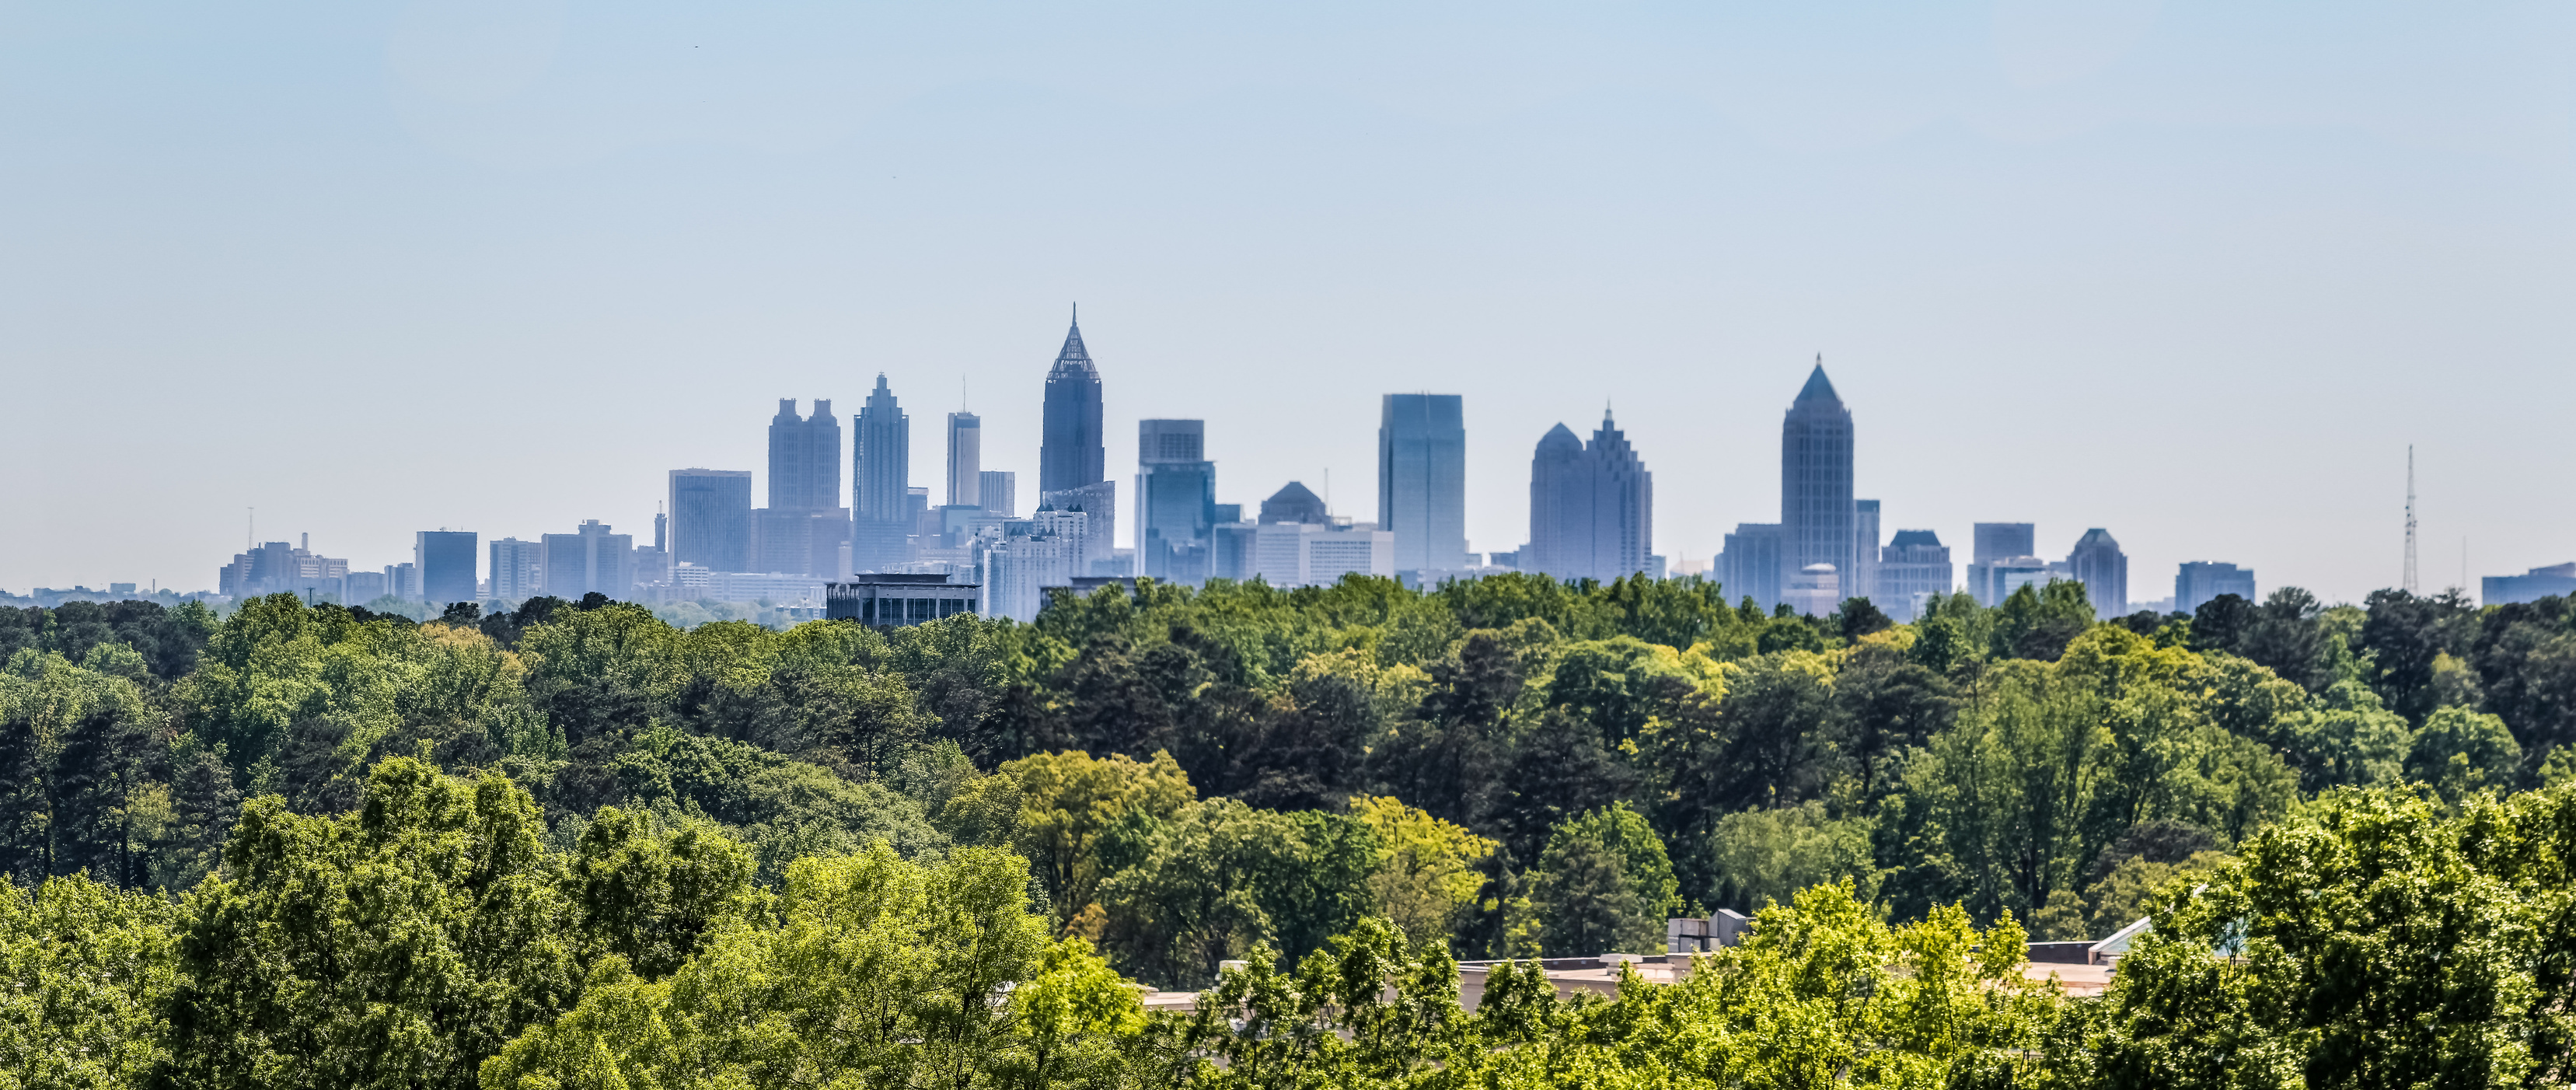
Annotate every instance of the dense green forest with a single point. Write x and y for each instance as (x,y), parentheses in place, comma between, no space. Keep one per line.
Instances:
(574,845)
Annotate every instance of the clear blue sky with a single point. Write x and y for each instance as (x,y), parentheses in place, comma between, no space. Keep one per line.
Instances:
(2193,272)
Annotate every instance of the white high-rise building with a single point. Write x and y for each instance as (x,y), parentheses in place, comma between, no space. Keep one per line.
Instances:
(965,460)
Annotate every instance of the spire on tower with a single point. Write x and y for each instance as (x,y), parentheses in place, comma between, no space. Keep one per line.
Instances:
(2406,579)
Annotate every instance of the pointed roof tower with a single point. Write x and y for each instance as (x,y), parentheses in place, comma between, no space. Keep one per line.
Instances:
(1070,449)
(1073,356)
(1818,388)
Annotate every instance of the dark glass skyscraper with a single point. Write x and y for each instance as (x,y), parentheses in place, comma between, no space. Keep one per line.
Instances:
(1816,480)
(881,515)
(1422,480)
(447,561)
(1070,454)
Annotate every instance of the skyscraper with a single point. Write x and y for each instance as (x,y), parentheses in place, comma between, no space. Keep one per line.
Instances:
(1750,567)
(2003,541)
(2004,557)
(1912,569)
(1862,581)
(804,458)
(1070,454)
(2098,563)
(2201,580)
(447,566)
(1591,507)
(997,491)
(1175,499)
(1422,480)
(518,569)
(803,528)
(590,559)
(881,514)
(1816,480)
(965,460)
(711,518)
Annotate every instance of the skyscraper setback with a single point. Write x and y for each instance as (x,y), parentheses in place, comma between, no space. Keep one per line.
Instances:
(1591,507)
(1422,480)
(881,515)
(1070,452)
(1816,480)
(804,458)
(803,528)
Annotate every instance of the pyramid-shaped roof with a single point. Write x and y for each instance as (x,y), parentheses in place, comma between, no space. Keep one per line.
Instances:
(1818,388)
(1073,356)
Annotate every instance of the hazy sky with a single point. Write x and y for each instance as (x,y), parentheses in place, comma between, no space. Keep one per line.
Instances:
(2196,273)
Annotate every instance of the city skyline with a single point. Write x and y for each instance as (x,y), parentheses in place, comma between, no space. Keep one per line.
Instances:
(394,282)
(1821,457)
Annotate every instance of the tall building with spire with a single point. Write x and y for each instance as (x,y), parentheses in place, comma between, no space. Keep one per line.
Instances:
(1070,452)
(1591,507)
(881,514)
(1816,510)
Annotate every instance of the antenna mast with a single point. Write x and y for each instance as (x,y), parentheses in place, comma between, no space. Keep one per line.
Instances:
(2406,582)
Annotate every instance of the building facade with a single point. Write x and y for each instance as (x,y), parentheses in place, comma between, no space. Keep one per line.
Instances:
(1913,569)
(1175,500)
(1422,479)
(448,566)
(997,491)
(1749,565)
(1071,453)
(711,518)
(2098,563)
(1816,480)
(965,460)
(518,570)
(804,457)
(591,559)
(2556,580)
(883,517)
(2199,581)
(1592,507)
(1100,544)
(895,600)
(1862,580)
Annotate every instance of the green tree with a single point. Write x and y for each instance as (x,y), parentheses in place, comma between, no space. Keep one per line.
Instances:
(651,896)
(2458,752)
(2370,941)
(1764,856)
(1220,878)
(90,970)
(877,972)
(1604,878)
(1069,799)
(396,946)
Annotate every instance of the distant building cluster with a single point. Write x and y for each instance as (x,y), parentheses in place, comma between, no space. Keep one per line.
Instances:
(869,552)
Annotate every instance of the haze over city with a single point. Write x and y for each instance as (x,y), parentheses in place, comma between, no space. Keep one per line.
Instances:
(2194,274)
